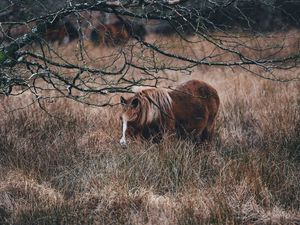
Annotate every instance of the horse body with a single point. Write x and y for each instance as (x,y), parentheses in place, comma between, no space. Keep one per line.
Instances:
(190,110)
(62,31)
(110,34)
(195,107)
(117,33)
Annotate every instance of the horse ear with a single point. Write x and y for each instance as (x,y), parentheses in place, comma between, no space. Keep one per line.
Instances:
(123,100)
(135,102)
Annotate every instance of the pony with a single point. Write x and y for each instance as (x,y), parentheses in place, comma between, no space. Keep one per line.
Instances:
(189,111)
(110,34)
(62,31)
(117,33)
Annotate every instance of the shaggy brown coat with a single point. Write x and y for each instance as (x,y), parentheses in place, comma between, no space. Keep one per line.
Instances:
(190,110)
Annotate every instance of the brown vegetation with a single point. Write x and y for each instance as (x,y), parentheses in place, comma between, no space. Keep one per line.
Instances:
(70,168)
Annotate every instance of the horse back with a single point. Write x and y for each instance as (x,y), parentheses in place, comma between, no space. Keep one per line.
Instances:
(199,91)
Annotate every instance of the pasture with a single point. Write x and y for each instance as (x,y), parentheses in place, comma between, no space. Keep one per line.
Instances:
(71,169)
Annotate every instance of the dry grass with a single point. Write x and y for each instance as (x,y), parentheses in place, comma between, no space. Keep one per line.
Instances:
(73,171)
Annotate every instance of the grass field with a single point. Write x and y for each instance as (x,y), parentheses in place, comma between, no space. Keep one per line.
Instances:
(70,169)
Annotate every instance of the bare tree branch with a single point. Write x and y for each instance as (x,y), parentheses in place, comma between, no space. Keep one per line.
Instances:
(124,57)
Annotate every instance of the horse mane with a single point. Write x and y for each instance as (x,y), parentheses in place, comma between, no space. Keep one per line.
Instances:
(156,105)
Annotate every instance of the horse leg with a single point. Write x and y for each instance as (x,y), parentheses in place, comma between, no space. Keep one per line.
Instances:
(208,132)
(202,132)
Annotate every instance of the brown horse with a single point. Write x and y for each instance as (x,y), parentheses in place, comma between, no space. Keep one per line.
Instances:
(110,34)
(190,110)
(117,33)
(62,31)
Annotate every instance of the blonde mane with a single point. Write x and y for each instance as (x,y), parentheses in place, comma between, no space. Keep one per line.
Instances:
(156,105)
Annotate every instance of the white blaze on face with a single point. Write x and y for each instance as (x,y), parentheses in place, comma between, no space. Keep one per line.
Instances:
(123,140)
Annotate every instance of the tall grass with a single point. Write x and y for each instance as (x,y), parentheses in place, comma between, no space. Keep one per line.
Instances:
(70,169)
